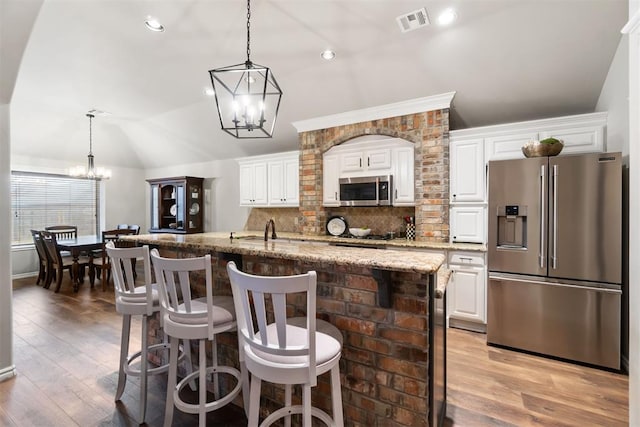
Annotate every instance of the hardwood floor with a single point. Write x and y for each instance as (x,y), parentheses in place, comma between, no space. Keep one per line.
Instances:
(66,352)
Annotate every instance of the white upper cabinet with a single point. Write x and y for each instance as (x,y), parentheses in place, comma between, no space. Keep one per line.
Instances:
(330,176)
(404,176)
(507,146)
(271,180)
(467,170)
(283,181)
(467,224)
(371,155)
(365,161)
(253,184)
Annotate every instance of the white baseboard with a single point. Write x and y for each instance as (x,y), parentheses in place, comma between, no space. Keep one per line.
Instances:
(7,373)
(468,325)
(23,275)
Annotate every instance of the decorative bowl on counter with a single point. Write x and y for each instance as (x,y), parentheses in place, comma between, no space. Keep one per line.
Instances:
(544,148)
(360,232)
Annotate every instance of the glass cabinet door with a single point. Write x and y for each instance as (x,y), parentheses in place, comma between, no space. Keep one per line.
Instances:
(193,205)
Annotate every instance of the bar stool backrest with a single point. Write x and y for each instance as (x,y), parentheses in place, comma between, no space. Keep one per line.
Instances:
(254,296)
(124,282)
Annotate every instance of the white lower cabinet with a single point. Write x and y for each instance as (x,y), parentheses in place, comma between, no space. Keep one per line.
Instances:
(466,293)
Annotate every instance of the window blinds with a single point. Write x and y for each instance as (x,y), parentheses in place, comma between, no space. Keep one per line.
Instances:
(41,200)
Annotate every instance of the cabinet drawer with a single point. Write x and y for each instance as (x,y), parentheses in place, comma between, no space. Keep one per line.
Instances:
(466,258)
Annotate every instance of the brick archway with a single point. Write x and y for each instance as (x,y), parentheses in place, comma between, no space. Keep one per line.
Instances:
(429,131)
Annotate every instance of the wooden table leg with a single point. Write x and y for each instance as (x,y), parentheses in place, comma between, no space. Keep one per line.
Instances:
(75,271)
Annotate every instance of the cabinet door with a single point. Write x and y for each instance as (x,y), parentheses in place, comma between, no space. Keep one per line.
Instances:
(246,184)
(377,159)
(260,193)
(507,146)
(330,183)
(276,183)
(403,176)
(467,170)
(253,184)
(351,162)
(586,139)
(291,182)
(467,293)
(467,224)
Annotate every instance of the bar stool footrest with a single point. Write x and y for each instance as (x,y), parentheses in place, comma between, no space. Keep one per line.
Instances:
(297,410)
(193,408)
(150,371)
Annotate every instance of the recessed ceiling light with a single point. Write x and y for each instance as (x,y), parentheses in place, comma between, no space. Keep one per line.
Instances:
(447,17)
(153,24)
(328,54)
(208,91)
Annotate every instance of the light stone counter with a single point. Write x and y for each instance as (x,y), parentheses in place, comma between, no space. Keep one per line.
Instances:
(301,248)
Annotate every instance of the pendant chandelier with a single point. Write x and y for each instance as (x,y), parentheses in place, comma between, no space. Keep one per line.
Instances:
(90,172)
(247,96)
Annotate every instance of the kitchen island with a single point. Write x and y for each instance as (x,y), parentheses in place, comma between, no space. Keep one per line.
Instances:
(382,301)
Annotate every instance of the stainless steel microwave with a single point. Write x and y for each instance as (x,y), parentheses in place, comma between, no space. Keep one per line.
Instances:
(366,191)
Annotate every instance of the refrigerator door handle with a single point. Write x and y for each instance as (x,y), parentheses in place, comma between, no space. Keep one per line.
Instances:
(554,256)
(542,225)
(497,277)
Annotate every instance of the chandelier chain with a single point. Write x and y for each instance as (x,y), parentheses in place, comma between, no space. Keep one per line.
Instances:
(248,29)
(90,134)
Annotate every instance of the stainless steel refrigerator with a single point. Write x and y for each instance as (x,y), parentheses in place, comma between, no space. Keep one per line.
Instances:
(554,254)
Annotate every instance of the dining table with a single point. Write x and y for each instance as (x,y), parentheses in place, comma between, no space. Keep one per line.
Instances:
(76,247)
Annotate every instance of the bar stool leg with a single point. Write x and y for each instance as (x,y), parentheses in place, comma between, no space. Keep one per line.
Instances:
(214,357)
(306,405)
(202,384)
(171,381)
(186,348)
(124,351)
(287,403)
(336,396)
(254,400)
(143,371)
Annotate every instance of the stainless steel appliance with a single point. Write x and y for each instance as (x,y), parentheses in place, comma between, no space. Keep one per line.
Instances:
(366,191)
(555,243)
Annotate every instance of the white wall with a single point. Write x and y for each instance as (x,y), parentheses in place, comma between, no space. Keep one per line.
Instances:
(7,368)
(614,99)
(221,188)
(634,212)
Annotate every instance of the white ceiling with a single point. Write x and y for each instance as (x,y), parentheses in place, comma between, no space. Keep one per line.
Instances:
(507,60)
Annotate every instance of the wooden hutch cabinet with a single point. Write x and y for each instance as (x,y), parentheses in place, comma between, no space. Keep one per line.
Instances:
(177,205)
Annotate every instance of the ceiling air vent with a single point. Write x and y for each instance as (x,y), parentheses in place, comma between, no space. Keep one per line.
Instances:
(413,20)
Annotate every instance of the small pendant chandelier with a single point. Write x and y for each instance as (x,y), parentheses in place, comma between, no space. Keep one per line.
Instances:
(90,172)
(247,96)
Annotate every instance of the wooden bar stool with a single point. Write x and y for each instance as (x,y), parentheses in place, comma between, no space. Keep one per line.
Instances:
(280,352)
(132,300)
(187,318)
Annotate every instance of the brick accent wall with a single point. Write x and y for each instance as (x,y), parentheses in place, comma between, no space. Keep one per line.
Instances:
(429,131)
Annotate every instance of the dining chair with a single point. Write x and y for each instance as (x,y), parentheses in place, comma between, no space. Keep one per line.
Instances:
(101,260)
(276,351)
(134,298)
(186,317)
(63,232)
(135,228)
(60,263)
(44,263)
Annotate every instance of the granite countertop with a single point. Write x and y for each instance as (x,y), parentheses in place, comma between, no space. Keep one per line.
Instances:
(393,243)
(303,248)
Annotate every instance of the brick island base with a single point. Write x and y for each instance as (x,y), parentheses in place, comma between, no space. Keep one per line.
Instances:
(385,368)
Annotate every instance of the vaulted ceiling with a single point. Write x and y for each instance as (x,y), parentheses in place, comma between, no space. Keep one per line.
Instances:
(507,60)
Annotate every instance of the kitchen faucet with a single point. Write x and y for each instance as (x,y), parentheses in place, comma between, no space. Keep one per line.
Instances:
(273,230)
